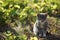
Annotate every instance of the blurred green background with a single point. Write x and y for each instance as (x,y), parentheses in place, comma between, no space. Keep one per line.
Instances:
(22,13)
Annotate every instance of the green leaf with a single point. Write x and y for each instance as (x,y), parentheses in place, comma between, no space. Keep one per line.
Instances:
(1,1)
(17,6)
(54,7)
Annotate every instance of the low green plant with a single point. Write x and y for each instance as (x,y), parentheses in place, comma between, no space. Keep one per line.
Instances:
(10,36)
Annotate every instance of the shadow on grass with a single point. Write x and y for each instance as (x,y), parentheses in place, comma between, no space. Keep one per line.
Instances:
(52,37)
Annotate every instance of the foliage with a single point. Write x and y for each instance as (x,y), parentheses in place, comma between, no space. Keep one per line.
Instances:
(11,36)
(25,11)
